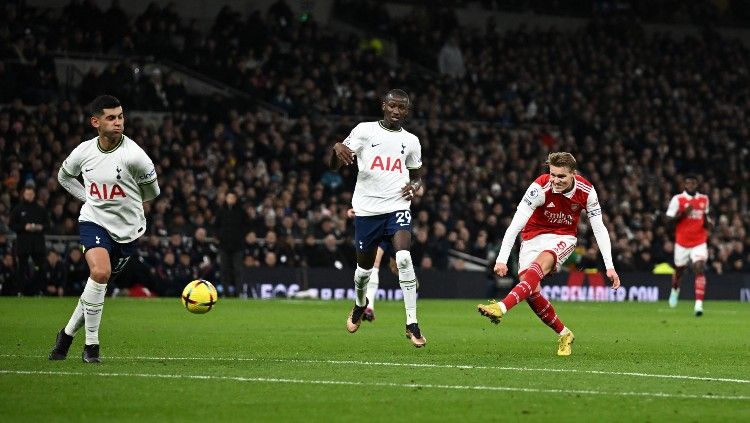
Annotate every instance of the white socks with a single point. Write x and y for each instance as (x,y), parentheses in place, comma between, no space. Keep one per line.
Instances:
(92,301)
(565,331)
(76,320)
(361,278)
(409,288)
(408,281)
(372,287)
(405,266)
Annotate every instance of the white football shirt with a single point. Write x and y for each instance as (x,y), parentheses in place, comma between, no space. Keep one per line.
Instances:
(111,180)
(384,158)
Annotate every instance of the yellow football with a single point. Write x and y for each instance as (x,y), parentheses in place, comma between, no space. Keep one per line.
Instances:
(199,296)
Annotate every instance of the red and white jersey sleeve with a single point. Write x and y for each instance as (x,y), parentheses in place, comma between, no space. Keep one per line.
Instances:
(594,212)
(533,198)
(690,231)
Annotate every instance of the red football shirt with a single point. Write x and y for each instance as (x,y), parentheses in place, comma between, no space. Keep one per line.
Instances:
(690,231)
(557,213)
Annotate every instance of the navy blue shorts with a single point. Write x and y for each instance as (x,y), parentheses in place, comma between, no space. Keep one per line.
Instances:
(388,249)
(370,231)
(93,235)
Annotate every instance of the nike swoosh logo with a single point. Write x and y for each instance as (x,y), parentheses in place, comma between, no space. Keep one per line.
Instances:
(86,170)
(375,145)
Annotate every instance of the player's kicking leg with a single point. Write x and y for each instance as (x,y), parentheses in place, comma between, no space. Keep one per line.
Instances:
(529,284)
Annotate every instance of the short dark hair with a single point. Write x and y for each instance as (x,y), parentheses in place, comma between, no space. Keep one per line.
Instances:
(691,176)
(96,107)
(396,93)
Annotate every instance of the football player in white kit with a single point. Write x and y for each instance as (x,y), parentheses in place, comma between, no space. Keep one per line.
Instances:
(389,160)
(118,177)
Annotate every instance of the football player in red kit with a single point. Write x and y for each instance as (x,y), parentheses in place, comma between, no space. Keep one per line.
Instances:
(547,218)
(688,211)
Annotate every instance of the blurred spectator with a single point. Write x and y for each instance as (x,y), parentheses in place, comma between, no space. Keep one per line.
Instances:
(30,221)
(232,224)
(451,60)
(54,275)
(166,281)
(77,272)
(329,255)
(8,274)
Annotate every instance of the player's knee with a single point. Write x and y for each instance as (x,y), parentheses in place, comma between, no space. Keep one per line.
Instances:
(101,274)
(403,259)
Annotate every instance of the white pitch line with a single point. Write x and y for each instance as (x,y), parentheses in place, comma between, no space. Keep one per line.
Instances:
(422,365)
(381,384)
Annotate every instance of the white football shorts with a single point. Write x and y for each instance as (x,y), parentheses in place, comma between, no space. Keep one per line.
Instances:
(562,246)
(683,255)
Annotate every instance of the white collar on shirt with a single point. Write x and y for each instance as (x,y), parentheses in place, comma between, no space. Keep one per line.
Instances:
(570,193)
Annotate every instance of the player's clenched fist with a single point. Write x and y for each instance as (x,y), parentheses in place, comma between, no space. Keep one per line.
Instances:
(501,269)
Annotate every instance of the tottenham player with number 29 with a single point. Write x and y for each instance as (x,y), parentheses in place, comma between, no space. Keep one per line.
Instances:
(118,177)
(389,160)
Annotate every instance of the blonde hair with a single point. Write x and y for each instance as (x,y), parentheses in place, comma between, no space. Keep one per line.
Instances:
(562,159)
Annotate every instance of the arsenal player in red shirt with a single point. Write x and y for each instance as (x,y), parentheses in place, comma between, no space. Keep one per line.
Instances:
(547,218)
(688,211)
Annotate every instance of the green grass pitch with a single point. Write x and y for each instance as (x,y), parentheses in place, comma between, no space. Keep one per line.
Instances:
(294,361)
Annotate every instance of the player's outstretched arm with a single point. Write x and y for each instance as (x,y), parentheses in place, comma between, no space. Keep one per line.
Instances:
(601,234)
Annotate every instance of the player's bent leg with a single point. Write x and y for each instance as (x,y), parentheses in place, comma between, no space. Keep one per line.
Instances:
(372,291)
(674,294)
(92,300)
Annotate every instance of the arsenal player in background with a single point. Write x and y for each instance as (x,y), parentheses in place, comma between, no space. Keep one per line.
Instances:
(688,211)
(547,218)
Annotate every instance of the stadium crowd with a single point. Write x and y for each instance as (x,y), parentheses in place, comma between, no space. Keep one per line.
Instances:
(638,111)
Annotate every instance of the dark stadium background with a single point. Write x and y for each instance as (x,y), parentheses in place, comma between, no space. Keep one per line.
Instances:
(250,96)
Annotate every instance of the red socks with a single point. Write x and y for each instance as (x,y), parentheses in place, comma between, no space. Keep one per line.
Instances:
(545,311)
(523,290)
(700,286)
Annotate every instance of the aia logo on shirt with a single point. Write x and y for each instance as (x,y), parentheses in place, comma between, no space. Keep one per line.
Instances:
(105,193)
(394,166)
